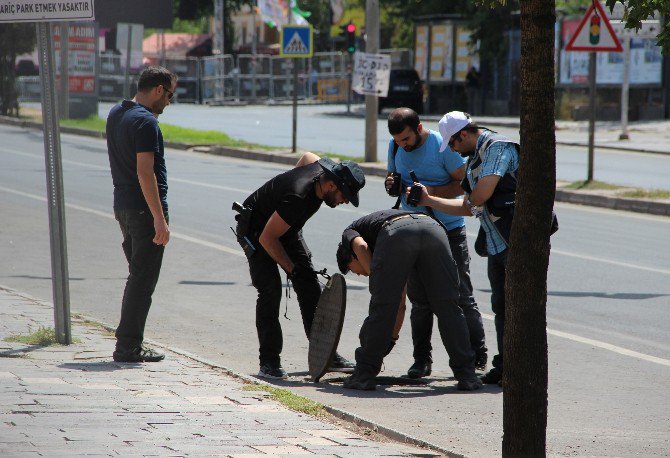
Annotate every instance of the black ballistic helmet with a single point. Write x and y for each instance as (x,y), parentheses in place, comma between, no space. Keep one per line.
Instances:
(347,175)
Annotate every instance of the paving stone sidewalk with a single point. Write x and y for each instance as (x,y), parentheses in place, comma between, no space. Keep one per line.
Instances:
(74,400)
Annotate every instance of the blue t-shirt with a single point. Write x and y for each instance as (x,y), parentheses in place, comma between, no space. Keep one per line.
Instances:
(131,129)
(432,168)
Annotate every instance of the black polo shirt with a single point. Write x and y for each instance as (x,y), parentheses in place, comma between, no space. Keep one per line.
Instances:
(291,194)
(369,226)
(131,129)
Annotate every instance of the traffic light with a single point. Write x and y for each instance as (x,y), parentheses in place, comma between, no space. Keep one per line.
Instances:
(351,38)
(594,30)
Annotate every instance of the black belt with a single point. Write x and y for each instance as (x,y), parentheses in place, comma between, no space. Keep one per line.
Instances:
(396,218)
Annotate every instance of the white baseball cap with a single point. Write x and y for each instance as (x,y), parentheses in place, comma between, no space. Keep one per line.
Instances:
(451,123)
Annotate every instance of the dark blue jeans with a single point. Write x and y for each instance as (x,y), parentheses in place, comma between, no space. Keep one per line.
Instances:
(421,317)
(144,266)
(496,271)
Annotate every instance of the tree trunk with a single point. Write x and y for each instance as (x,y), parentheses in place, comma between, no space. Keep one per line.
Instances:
(525,344)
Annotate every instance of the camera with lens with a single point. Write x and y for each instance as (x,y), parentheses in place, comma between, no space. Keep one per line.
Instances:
(415,191)
(396,187)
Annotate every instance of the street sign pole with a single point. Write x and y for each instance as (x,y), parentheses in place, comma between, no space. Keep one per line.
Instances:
(55,199)
(625,88)
(294,128)
(350,68)
(594,34)
(592,111)
(295,106)
(296,42)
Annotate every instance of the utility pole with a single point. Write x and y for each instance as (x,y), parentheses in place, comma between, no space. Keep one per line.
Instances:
(371,101)
(219,50)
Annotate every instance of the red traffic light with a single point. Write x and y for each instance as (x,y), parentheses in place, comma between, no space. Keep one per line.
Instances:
(351,28)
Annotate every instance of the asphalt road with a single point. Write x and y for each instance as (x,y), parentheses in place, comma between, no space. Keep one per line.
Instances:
(608,297)
(320,131)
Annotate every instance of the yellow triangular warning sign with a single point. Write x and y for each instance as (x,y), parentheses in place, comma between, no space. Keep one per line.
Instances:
(594,32)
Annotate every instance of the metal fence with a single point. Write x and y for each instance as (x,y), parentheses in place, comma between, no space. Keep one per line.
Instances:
(243,78)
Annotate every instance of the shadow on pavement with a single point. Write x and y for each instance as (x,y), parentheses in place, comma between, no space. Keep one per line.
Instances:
(601,295)
(98,366)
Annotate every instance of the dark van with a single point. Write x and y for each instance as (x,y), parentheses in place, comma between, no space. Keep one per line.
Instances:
(405,90)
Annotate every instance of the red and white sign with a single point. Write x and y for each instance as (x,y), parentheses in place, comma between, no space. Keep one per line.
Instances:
(594,32)
(81,57)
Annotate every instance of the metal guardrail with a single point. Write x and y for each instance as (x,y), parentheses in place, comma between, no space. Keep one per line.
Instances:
(225,78)
(29,88)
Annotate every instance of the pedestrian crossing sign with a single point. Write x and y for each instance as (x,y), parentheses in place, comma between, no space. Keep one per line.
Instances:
(296,41)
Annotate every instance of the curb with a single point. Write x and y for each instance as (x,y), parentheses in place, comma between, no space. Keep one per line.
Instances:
(493,122)
(653,207)
(341,414)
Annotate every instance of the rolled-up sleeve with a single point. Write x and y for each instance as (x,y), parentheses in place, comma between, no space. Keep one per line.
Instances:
(501,157)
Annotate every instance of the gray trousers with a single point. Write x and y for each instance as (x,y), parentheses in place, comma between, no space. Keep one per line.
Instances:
(414,247)
(421,316)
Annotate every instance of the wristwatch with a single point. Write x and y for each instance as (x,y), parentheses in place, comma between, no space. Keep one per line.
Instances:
(474,209)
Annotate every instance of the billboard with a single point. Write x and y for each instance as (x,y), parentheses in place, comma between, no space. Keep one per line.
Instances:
(645,59)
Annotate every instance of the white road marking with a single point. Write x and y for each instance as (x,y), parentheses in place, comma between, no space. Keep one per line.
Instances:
(238,252)
(597,259)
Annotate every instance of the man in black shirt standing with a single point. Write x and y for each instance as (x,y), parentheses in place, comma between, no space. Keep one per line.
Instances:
(137,162)
(280,208)
(394,248)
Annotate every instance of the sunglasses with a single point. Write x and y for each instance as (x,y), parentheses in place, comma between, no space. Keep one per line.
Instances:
(452,140)
(170,93)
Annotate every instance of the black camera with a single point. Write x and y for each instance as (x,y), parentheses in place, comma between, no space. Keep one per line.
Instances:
(415,191)
(396,187)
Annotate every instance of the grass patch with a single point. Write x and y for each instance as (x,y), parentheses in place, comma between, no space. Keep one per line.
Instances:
(171,133)
(43,337)
(290,400)
(177,134)
(646,194)
(593,185)
(91,123)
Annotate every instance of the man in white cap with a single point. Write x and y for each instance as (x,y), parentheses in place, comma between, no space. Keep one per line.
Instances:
(490,187)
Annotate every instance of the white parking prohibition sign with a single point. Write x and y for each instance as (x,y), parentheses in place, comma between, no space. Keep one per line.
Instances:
(371,74)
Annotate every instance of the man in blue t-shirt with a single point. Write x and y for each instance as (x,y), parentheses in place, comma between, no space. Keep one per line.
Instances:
(137,162)
(414,148)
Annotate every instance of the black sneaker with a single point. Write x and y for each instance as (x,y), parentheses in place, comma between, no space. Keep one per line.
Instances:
(420,369)
(138,355)
(480,361)
(356,382)
(492,377)
(469,385)
(341,364)
(272,372)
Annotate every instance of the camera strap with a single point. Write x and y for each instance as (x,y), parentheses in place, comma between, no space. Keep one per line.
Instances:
(395,151)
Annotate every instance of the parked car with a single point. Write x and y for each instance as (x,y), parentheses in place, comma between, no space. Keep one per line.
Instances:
(26,67)
(405,90)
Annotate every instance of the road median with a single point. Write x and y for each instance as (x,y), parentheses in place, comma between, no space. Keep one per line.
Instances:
(595,198)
